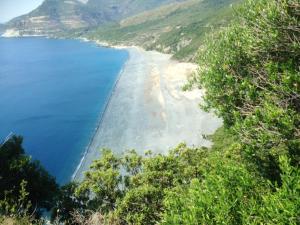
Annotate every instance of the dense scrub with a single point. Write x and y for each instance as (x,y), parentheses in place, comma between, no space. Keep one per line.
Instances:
(26,188)
(250,71)
(231,194)
(186,186)
(178,29)
(255,63)
(130,188)
(251,175)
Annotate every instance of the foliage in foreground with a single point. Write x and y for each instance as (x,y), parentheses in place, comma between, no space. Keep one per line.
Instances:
(255,63)
(250,175)
(230,194)
(252,80)
(26,188)
(188,186)
(129,188)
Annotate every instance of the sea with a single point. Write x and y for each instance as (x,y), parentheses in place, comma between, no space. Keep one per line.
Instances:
(53,93)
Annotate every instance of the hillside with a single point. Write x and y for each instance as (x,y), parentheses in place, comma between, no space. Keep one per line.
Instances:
(54,16)
(121,9)
(170,26)
(177,28)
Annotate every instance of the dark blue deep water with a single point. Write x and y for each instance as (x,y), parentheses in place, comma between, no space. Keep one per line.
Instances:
(52,92)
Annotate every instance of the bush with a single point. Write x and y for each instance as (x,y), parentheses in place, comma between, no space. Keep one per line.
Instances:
(132,186)
(67,204)
(230,194)
(255,63)
(252,80)
(21,177)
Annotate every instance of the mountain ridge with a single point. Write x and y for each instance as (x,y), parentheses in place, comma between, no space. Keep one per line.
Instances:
(175,27)
(54,16)
(178,29)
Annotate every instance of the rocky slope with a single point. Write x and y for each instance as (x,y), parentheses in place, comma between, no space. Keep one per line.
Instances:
(54,16)
(176,27)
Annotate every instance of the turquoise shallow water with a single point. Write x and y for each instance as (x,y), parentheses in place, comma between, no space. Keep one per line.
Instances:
(52,92)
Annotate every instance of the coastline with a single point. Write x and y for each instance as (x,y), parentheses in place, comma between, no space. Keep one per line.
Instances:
(147,109)
(147,97)
(99,122)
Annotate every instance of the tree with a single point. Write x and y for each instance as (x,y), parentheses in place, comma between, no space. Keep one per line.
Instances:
(67,204)
(251,174)
(131,187)
(255,62)
(17,168)
(103,182)
(231,194)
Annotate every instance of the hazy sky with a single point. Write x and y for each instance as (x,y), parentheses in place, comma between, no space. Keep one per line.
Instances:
(12,8)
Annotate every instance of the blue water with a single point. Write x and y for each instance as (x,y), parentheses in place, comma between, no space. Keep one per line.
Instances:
(52,92)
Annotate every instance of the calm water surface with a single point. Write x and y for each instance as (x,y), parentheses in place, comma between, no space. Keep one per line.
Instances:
(52,92)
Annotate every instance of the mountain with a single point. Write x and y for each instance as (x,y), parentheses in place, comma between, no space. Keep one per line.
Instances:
(177,28)
(54,16)
(171,26)
(122,9)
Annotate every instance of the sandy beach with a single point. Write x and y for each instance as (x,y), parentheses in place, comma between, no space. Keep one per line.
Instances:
(149,111)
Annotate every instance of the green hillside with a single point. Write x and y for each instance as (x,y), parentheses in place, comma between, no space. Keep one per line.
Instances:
(177,28)
(170,26)
(118,10)
(54,16)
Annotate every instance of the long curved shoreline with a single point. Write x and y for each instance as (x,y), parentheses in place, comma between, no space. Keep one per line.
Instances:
(148,110)
(101,117)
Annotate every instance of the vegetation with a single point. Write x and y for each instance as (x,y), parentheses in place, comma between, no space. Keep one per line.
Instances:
(54,17)
(231,194)
(177,28)
(26,189)
(256,65)
(251,175)
(188,186)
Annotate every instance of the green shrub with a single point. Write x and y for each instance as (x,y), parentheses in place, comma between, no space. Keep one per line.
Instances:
(280,205)
(250,71)
(230,194)
(21,177)
(67,204)
(133,186)
(255,62)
